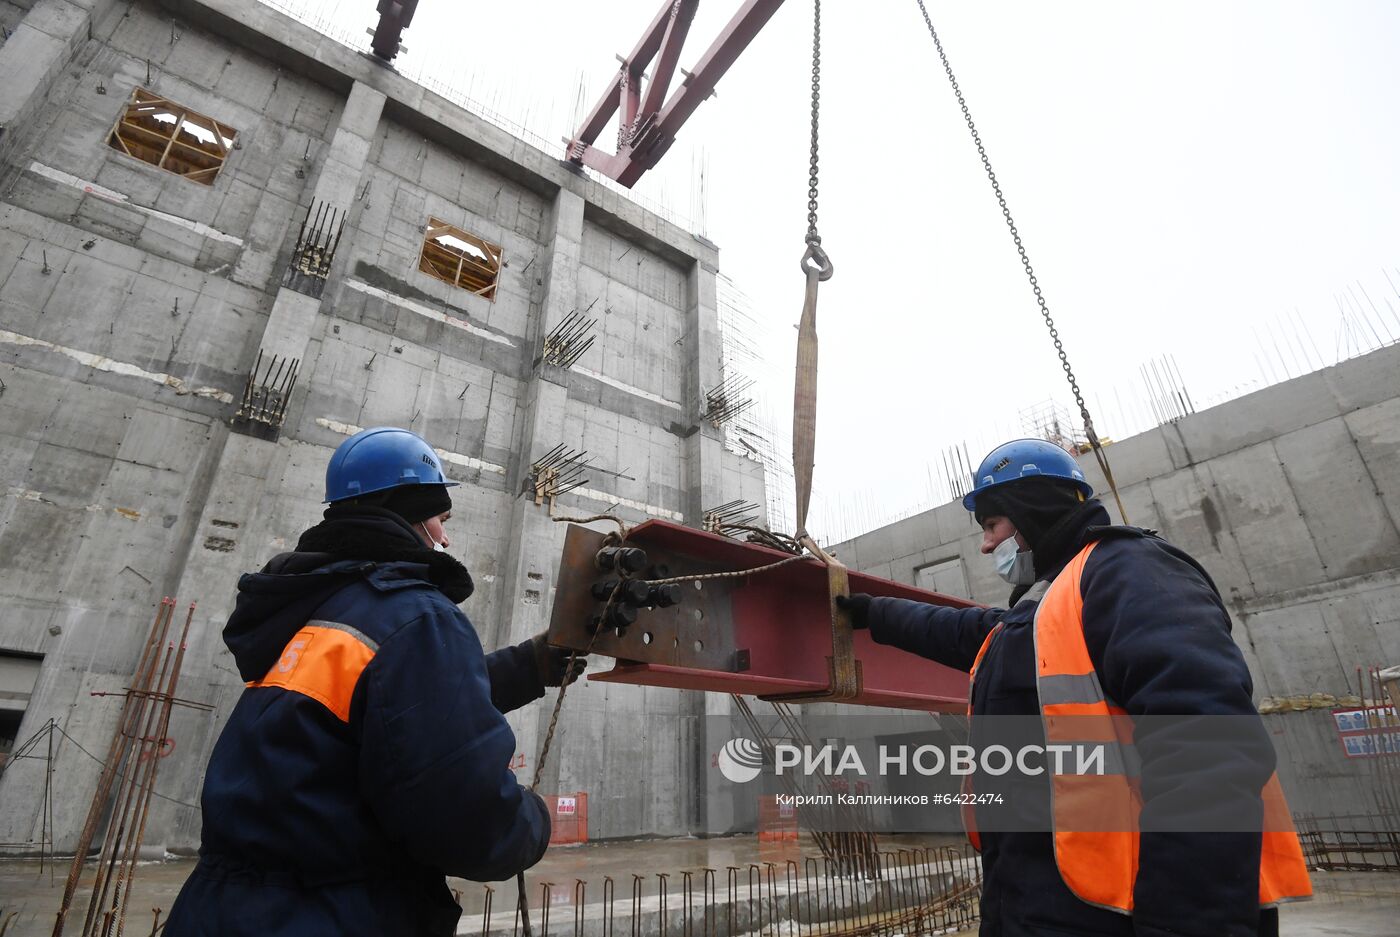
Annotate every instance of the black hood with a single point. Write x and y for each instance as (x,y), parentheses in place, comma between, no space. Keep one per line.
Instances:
(353,542)
(1063,540)
(1058,545)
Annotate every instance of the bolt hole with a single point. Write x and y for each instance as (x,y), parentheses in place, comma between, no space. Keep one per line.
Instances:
(699,645)
(699,585)
(646,637)
(699,614)
(618,632)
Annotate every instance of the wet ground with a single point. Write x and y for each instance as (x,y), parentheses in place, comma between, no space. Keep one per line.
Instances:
(1348,904)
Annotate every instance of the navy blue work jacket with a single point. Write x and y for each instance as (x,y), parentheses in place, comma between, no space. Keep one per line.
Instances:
(1159,637)
(367,759)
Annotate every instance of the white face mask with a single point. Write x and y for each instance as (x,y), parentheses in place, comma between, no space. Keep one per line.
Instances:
(1013,564)
(437,547)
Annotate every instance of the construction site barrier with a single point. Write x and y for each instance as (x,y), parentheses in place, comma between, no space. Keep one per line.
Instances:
(568,815)
(777,822)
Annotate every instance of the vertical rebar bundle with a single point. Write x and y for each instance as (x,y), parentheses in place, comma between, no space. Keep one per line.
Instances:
(738,513)
(268,390)
(558,471)
(1167,395)
(907,891)
(568,340)
(316,244)
(726,401)
(841,832)
(128,779)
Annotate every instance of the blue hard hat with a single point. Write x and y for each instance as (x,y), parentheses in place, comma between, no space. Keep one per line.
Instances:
(379,459)
(1025,458)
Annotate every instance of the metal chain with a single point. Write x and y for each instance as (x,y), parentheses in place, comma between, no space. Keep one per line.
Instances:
(1099,454)
(522,903)
(812,236)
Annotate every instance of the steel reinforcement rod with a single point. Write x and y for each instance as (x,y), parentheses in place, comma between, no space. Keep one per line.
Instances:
(145,668)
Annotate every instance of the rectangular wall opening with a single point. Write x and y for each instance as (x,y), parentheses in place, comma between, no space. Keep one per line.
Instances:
(462,259)
(18,673)
(158,131)
(946,576)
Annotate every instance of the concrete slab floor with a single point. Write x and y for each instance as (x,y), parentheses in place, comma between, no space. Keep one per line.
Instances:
(1347,904)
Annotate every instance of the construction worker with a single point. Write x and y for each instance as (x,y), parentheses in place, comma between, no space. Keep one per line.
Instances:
(368,756)
(1114,624)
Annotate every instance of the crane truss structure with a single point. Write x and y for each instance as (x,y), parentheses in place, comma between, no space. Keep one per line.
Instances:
(648,121)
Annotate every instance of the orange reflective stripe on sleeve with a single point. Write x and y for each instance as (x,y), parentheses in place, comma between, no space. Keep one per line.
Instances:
(324,661)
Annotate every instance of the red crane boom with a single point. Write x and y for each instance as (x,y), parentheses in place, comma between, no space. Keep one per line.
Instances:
(646,126)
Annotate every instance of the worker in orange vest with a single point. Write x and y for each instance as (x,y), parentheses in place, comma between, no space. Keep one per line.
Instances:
(1111,634)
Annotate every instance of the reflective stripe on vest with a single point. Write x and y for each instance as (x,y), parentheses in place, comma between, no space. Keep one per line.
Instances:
(323,661)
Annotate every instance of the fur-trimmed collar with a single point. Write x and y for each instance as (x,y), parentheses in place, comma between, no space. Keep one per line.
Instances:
(370,533)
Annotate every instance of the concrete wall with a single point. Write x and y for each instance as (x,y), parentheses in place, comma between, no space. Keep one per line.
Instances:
(1289,497)
(125,476)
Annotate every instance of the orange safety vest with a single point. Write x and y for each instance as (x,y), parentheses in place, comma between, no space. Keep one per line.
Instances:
(1100,867)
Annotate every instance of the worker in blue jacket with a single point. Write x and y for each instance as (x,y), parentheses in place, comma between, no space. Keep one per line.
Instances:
(368,756)
(1197,860)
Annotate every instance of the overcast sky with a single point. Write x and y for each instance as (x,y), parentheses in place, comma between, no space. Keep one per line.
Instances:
(1199,180)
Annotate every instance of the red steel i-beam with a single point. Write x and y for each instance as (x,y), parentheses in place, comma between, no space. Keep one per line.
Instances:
(767,635)
(646,126)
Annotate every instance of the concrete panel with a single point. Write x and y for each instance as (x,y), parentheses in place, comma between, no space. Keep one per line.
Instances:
(1362,628)
(161,440)
(339,179)
(87,283)
(1327,474)
(26,290)
(1293,648)
(1259,507)
(1132,460)
(195,57)
(399,152)
(28,60)
(913,535)
(1364,381)
(1139,502)
(1256,417)
(1376,431)
(289,325)
(954,522)
(1191,516)
(249,82)
(362,110)
(390,393)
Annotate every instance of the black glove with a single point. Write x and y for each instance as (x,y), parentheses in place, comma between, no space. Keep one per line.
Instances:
(857,608)
(553,662)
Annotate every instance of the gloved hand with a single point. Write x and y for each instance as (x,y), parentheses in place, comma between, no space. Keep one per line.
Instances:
(553,662)
(857,608)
